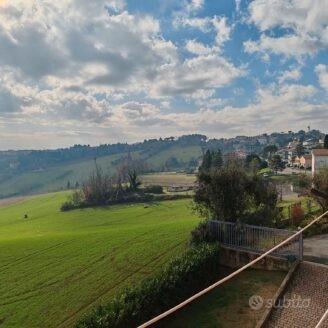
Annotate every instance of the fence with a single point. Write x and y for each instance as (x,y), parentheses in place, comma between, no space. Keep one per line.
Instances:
(257,239)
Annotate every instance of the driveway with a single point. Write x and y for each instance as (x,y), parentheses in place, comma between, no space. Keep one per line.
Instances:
(316,248)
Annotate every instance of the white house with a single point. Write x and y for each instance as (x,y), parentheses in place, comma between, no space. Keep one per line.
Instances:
(319,159)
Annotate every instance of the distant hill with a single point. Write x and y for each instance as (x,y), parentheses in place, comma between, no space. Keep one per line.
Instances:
(37,171)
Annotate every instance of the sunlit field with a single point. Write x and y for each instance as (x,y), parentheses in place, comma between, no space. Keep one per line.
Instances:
(55,266)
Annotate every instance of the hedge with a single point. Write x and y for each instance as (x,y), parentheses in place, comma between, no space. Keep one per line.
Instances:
(181,278)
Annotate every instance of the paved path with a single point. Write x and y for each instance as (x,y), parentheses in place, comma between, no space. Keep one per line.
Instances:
(316,248)
(310,284)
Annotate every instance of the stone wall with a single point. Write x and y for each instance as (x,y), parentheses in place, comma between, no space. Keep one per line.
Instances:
(236,258)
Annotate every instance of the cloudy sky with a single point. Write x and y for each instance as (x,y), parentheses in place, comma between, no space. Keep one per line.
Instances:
(80,71)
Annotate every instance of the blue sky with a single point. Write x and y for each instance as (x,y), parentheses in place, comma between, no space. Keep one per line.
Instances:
(76,71)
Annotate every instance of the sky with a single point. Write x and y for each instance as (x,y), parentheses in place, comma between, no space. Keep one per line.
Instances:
(92,72)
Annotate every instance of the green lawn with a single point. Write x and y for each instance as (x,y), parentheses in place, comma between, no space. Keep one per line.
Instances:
(228,306)
(55,266)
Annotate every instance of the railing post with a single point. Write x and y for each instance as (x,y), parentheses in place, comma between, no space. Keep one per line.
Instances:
(300,244)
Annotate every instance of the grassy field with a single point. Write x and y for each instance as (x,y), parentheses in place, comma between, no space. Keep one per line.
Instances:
(227,306)
(55,266)
(183,154)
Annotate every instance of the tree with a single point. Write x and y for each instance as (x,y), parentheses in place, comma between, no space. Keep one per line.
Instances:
(300,150)
(269,150)
(325,143)
(211,160)
(217,159)
(254,163)
(207,161)
(172,163)
(134,181)
(320,188)
(276,163)
(230,194)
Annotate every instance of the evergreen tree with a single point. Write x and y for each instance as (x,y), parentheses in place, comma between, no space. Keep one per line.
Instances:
(207,161)
(325,143)
(300,150)
(217,160)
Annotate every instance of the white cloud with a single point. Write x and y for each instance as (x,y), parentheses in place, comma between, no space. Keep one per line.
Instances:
(202,72)
(198,48)
(238,3)
(305,22)
(289,45)
(75,65)
(203,24)
(194,6)
(286,106)
(291,75)
(222,29)
(322,72)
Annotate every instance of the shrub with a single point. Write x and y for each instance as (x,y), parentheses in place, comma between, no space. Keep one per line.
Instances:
(76,200)
(202,233)
(320,190)
(184,276)
(297,213)
(155,189)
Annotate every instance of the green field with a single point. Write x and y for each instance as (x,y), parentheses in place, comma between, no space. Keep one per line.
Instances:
(56,266)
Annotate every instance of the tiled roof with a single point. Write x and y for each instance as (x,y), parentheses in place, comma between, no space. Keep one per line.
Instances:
(320,152)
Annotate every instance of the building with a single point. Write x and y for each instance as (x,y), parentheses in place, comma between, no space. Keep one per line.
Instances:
(296,161)
(306,161)
(319,159)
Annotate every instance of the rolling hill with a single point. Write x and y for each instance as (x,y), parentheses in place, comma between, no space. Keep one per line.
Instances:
(55,178)
(37,171)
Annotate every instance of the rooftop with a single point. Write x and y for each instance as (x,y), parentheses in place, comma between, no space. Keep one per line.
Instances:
(320,152)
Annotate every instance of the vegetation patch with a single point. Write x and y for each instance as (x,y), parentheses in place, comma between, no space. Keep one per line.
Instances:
(228,305)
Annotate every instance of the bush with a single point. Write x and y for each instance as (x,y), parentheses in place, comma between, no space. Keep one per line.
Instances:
(155,189)
(318,228)
(320,190)
(297,213)
(202,233)
(186,275)
(76,200)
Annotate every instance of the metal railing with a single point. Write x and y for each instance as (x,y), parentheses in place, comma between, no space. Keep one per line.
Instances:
(256,239)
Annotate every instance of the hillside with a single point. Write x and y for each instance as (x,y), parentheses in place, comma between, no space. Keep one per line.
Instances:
(56,177)
(28,172)
(56,265)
